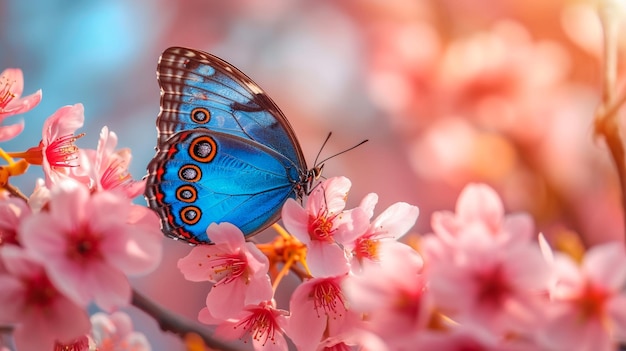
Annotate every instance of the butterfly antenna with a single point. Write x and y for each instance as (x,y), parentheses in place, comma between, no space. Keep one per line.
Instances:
(322,148)
(341,152)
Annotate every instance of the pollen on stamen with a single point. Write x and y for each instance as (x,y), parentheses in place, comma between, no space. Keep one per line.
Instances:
(6,95)
(260,325)
(321,227)
(368,248)
(328,298)
(62,152)
(116,175)
(228,268)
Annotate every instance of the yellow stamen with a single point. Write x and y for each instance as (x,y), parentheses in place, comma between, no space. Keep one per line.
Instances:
(288,250)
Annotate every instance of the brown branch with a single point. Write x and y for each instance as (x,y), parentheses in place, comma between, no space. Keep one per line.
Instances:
(606,123)
(15,192)
(177,324)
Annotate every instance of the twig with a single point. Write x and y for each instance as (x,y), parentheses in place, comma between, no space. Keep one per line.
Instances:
(606,117)
(15,192)
(177,324)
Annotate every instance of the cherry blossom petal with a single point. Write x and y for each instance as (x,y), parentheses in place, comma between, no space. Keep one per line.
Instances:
(11,299)
(226,234)
(349,225)
(50,316)
(368,203)
(194,266)
(397,219)
(65,121)
(111,289)
(479,202)
(296,219)
(11,131)
(12,84)
(144,248)
(226,300)
(204,316)
(607,264)
(330,195)
(326,260)
(305,325)
(87,244)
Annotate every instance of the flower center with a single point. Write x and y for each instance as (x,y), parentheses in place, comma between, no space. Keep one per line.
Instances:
(40,292)
(62,152)
(80,344)
(366,247)
(6,95)
(260,325)
(493,287)
(591,302)
(327,297)
(8,236)
(408,303)
(321,227)
(227,268)
(84,247)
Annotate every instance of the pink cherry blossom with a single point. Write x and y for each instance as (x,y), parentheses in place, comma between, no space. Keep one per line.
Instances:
(238,269)
(91,241)
(502,287)
(40,196)
(393,295)
(479,209)
(479,220)
(12,212)
(108,168)
(79,344)
(470,337)
(31,301)
(323,224)
(11,102)
(56,151)
(262,322)
(588,300)
(115,332)
(318,307)
(389,226)
(490,258)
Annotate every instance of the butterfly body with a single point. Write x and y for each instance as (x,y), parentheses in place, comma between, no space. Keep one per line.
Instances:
(225,151)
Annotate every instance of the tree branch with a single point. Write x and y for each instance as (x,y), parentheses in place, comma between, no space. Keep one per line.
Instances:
(606,123)
(177,324)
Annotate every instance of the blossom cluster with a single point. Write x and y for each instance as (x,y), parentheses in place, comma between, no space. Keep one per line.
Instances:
(482,280)
(75,240)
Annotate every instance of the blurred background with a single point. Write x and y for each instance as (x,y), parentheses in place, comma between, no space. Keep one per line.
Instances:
(447,91)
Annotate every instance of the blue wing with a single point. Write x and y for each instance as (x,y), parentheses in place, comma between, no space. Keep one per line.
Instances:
(202,176)
(201,90)
(225,152)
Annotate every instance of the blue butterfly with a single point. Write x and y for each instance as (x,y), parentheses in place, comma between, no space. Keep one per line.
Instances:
(225,151)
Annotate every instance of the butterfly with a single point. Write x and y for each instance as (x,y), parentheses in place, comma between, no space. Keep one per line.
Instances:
(225,151)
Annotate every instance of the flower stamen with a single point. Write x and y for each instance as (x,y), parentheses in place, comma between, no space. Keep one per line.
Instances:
(260,325)
(327,297)
(321,227)
(367,248)
(62,152)
(228,267)
(6,95)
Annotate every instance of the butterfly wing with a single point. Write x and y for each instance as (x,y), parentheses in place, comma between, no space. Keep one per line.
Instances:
(202,90)
(201,176)
(208,105)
